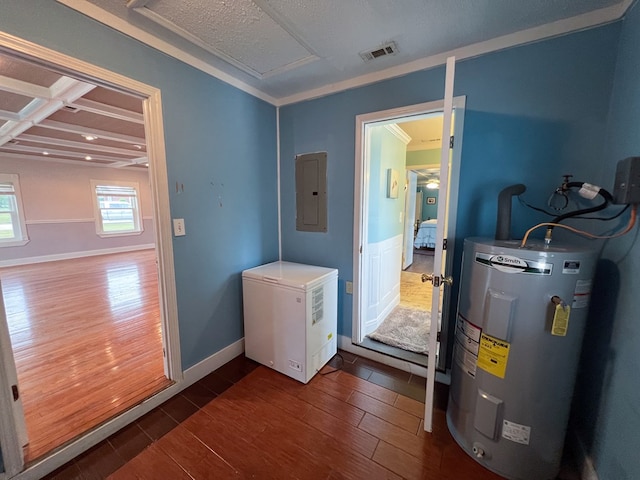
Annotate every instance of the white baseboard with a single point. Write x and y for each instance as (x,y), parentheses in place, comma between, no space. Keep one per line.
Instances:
(373,324)
(68,256)
(209,364)
(583,461)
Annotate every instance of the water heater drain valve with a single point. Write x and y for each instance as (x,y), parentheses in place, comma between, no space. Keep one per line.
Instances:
(478,450)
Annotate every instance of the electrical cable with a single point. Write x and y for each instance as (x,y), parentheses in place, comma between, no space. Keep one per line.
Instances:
(601,191)
(537,209)
(626,207)
(335,369)
(524,203)
(630,225)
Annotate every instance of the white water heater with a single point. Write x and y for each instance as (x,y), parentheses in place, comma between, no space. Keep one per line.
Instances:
(521,319)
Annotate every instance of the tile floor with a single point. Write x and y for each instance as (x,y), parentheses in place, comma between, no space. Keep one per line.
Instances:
(187,412)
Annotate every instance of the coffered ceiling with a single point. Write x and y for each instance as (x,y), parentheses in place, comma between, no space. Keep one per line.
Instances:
(50,117)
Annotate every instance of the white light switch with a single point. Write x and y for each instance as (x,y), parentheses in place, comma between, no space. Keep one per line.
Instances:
(178,227)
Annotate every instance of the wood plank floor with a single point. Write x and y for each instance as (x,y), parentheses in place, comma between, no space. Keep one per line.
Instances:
(87,341)
(358,423)
(339,426)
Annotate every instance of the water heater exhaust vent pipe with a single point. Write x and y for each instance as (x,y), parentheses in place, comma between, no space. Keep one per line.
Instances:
(503,224)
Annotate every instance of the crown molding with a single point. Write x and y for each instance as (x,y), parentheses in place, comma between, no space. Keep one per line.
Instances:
(122,26)
(399,133)
(554,29)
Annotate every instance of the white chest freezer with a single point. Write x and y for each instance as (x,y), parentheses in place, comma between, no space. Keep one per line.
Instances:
(290,317)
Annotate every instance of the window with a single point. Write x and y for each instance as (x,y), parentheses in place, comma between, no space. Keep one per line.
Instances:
(117,208)
(13,231)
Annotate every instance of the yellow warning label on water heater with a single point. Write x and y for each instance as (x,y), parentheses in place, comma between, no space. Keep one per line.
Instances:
(560,323)
(493,355)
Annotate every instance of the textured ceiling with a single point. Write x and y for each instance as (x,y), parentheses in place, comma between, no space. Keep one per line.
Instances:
(286,47)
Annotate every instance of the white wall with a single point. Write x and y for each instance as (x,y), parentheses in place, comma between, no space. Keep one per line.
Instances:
(58,209)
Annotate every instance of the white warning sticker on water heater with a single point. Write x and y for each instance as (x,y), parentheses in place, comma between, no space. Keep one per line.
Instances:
(516,432)
(466,346)
(581,294)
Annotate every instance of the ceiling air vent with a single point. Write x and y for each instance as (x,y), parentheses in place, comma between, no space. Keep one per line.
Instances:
(70,108)
(387,49)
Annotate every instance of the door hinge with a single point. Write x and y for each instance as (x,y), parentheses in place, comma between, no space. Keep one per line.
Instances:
(444,243)
(361,249)
(451,141)
(164,353)
(16,393)
(438,336)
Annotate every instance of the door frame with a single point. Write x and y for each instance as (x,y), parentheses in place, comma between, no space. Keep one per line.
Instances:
(410,195)
(361,192)
(154,133)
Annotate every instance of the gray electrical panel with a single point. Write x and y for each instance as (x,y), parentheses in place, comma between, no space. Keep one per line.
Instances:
(627,187)
(311,192)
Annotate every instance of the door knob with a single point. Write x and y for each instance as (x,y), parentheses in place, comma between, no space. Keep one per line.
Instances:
(436,280)
(426,277)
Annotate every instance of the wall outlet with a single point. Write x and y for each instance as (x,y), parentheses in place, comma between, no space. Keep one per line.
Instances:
(178,227)
(349,287)
(295,365)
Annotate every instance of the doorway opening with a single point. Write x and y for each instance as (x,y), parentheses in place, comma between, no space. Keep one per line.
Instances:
(397,235)
(86,275)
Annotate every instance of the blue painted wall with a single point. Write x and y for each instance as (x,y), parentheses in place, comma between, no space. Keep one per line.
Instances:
(532,112)
(387,152)
(220,144)
(429,210)
(608,391)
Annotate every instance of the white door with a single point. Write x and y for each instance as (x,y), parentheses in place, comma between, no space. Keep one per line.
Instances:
(12,422)
(363,280)
(409,218)
(436,279)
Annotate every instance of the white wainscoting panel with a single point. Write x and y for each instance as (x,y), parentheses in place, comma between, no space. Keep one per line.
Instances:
(384,260)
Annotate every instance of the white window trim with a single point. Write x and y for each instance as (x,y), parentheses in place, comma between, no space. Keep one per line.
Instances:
(98,215)
(14,179)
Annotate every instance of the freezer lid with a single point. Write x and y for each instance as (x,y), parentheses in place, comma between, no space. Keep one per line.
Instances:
(290,274)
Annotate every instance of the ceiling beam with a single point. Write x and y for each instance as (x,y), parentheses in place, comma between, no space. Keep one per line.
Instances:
(49,159)
(26,89)
(52,152)
(136,3)
(11,129)
(65,89)
(69,89)
(107,110)
(7,115)
(58,142)
(79,129)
